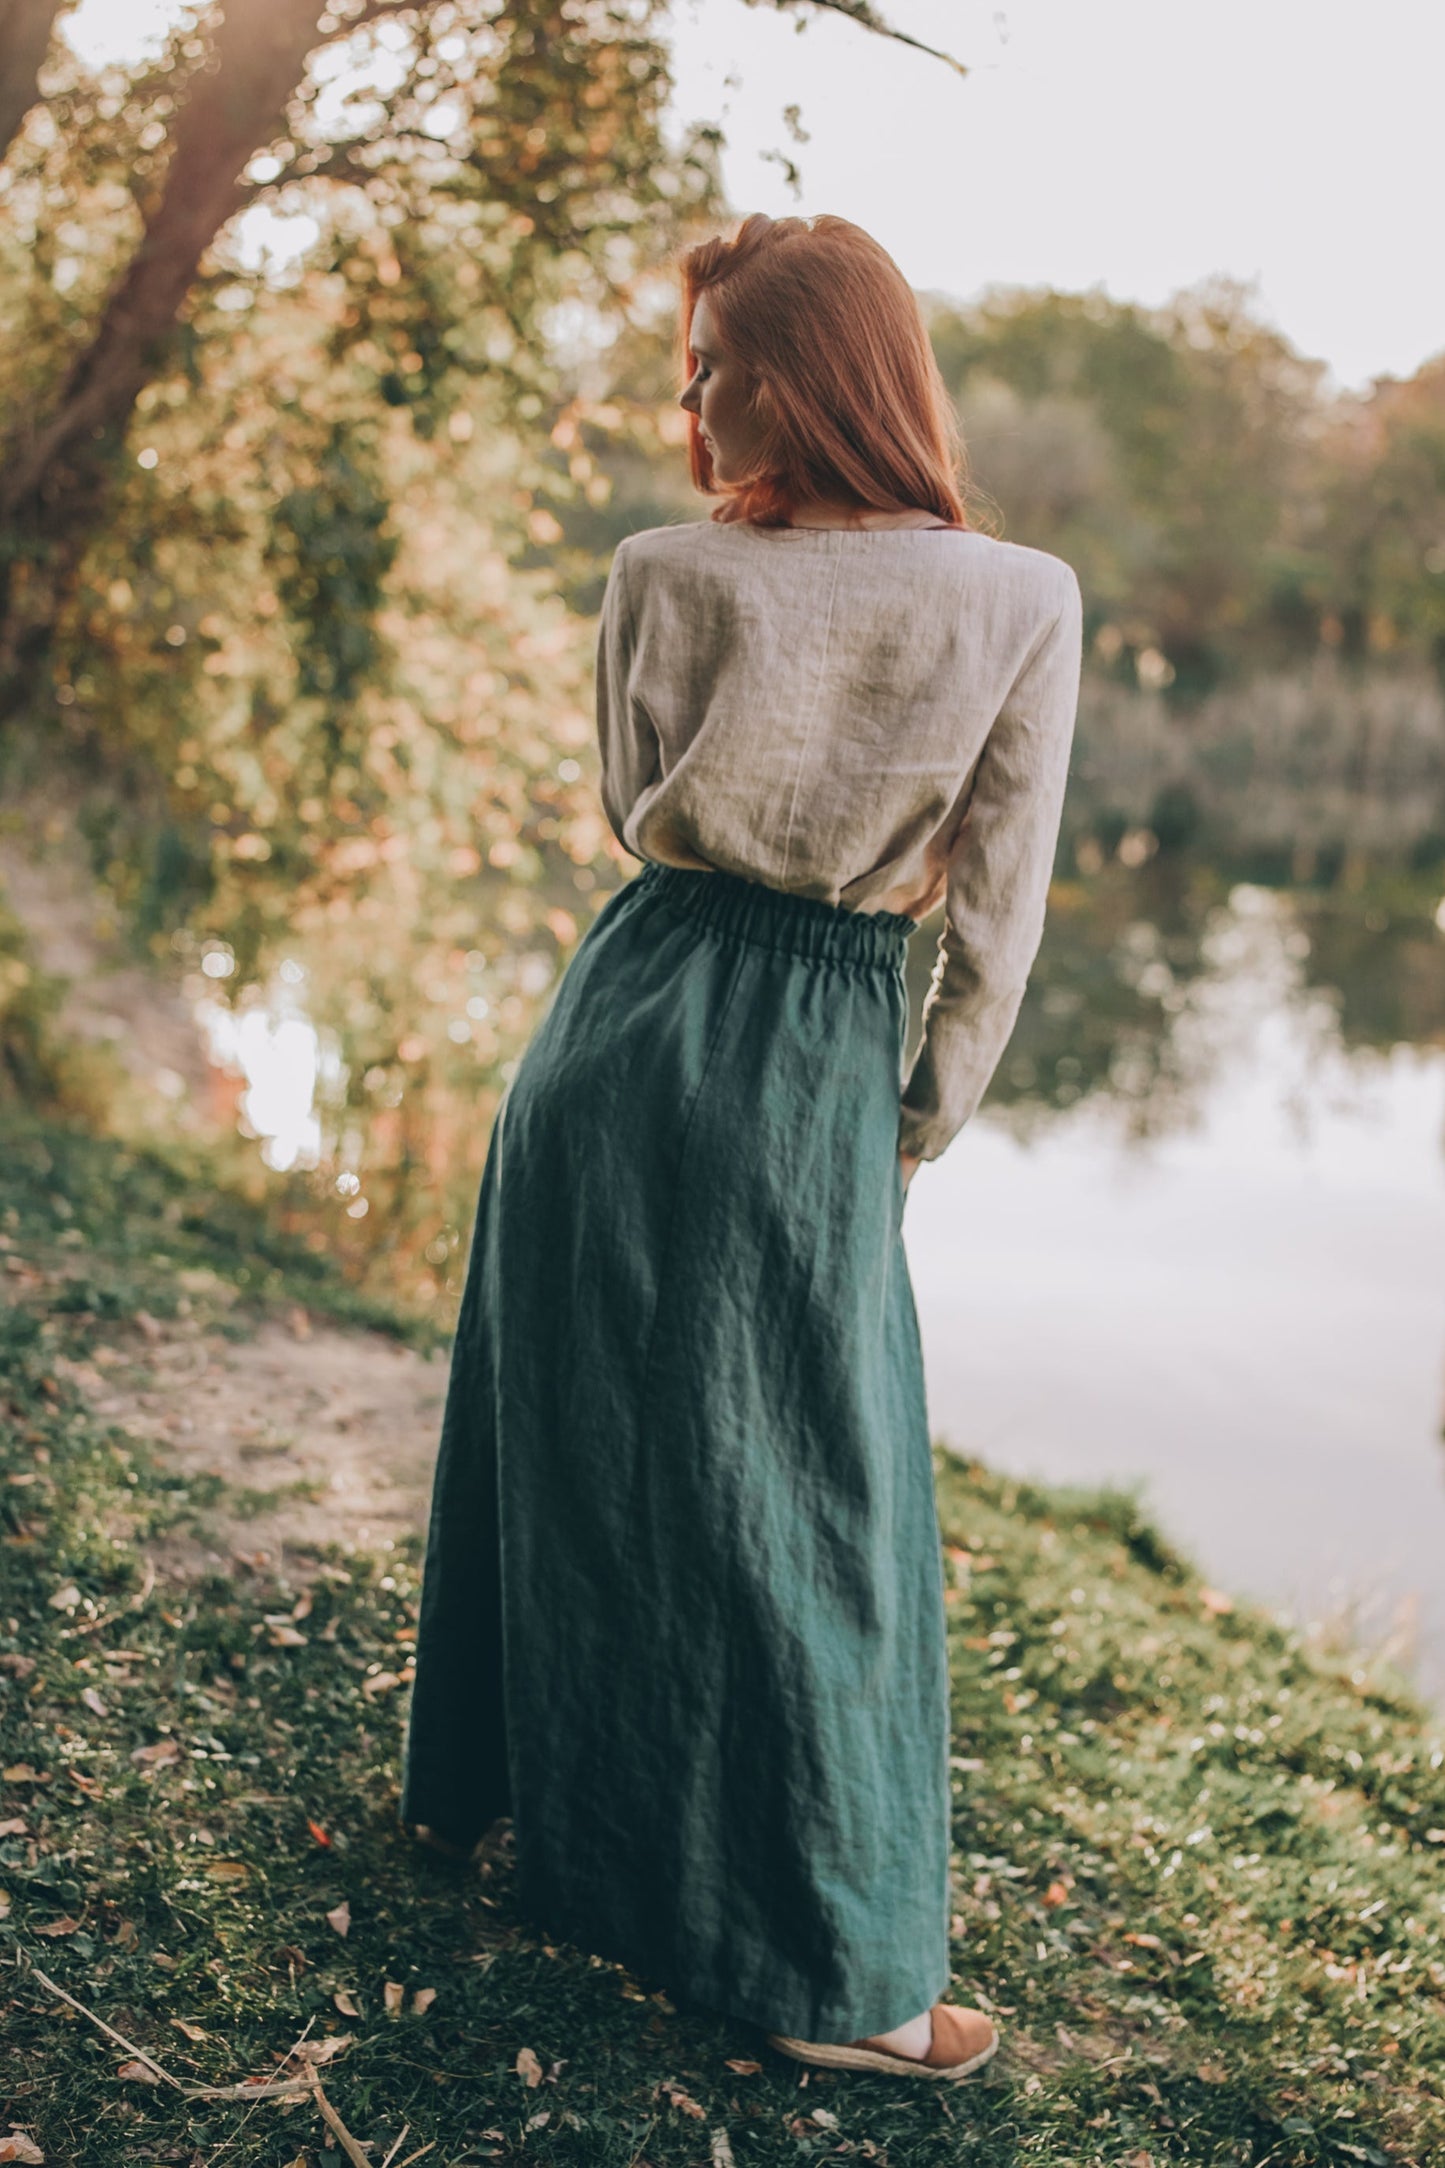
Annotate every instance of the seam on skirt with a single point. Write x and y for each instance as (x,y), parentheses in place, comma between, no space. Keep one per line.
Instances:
(644,1394)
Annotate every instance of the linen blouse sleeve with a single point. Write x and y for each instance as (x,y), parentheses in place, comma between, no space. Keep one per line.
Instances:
(625,738)
(998,883)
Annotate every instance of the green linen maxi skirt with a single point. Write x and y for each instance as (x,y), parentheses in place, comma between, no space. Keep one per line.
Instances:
(682,1615)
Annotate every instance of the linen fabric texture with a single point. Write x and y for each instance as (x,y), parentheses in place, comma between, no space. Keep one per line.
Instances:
(682,1614)
(879,718)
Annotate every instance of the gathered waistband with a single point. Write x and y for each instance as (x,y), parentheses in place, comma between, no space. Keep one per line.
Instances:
(730,904)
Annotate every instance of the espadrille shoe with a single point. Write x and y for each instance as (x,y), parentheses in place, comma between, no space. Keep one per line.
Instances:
(962,2042)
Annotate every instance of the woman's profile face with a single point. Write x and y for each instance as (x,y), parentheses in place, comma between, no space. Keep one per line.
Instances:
(718,393)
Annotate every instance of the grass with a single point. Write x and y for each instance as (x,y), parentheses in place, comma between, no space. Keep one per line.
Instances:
(1198,1876)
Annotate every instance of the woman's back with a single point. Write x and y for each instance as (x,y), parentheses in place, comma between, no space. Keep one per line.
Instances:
(878,717)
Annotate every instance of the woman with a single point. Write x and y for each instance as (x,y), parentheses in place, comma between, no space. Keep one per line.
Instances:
(683,1611)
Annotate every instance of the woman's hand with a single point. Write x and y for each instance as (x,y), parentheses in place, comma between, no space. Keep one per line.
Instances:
(908,1166)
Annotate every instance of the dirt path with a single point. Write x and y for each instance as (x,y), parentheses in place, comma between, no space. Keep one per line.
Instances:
(320,1435)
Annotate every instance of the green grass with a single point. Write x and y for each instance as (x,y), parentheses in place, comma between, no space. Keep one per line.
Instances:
(1198,1877)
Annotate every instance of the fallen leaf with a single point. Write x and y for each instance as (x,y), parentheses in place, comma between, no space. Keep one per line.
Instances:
(345,2004)
(14,1827)
(286,1637)
(52,1928)
(380,1682)
(192,2032)
(540,2120)
(302,1607)
(4,1904)
(823,2117)
(1212,2073)
(1144,1942)
(158,1754)
(393,1995)
(527,2067)
(94,1703)
(317,1832)
(21,1773)
(422,2001)
(678,2098)
(744,2068)
(322,2051)
(720,2147)
(64,1599)
(227,1870)
(1057,1893)
(139,2073)
(1435,1836)
(340,1918)
(1141,2159)
(1215,1600)
(20,2148)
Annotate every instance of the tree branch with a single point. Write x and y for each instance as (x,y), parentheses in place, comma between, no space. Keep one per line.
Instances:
(230,111)
(867,17)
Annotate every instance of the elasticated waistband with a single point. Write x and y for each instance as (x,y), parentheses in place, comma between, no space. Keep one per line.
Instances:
(744,910)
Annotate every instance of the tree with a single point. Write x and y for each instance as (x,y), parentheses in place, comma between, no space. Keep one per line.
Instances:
(1164,452)
(553,114)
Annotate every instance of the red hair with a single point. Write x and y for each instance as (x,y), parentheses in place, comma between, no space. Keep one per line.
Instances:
(844,376)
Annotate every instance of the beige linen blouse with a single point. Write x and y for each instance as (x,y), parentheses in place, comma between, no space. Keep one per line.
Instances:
(880,717)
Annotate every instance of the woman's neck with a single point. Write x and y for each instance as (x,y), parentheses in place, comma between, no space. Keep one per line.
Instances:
(823,512)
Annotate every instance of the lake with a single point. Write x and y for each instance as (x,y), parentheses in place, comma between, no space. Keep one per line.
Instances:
(1194,1241)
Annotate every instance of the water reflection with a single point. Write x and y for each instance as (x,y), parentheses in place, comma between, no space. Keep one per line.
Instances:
(1194,1239)
(1147,980)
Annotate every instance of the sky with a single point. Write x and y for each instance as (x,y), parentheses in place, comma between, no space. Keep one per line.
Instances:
(1135,146)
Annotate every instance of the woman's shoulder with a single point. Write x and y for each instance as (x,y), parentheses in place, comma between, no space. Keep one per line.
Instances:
(647,544)
(1017,568)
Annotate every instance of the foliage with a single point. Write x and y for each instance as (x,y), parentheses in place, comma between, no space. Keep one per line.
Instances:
(1223,509)
(39,1064)
(1196,1870)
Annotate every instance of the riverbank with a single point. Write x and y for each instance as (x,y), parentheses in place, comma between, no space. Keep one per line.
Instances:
(1198,1876)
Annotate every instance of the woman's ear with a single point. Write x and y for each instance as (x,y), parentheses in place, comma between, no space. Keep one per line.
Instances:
(764,407)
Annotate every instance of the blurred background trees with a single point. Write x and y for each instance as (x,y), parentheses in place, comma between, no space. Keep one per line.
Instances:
(298,562)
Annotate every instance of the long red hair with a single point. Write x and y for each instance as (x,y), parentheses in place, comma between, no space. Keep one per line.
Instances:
(844,377)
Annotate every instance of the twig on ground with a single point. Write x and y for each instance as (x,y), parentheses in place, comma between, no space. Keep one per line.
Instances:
(334,2124)
(391,2156)
(288,2089)
(109,2030)
(226,2143)
(645,2136)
